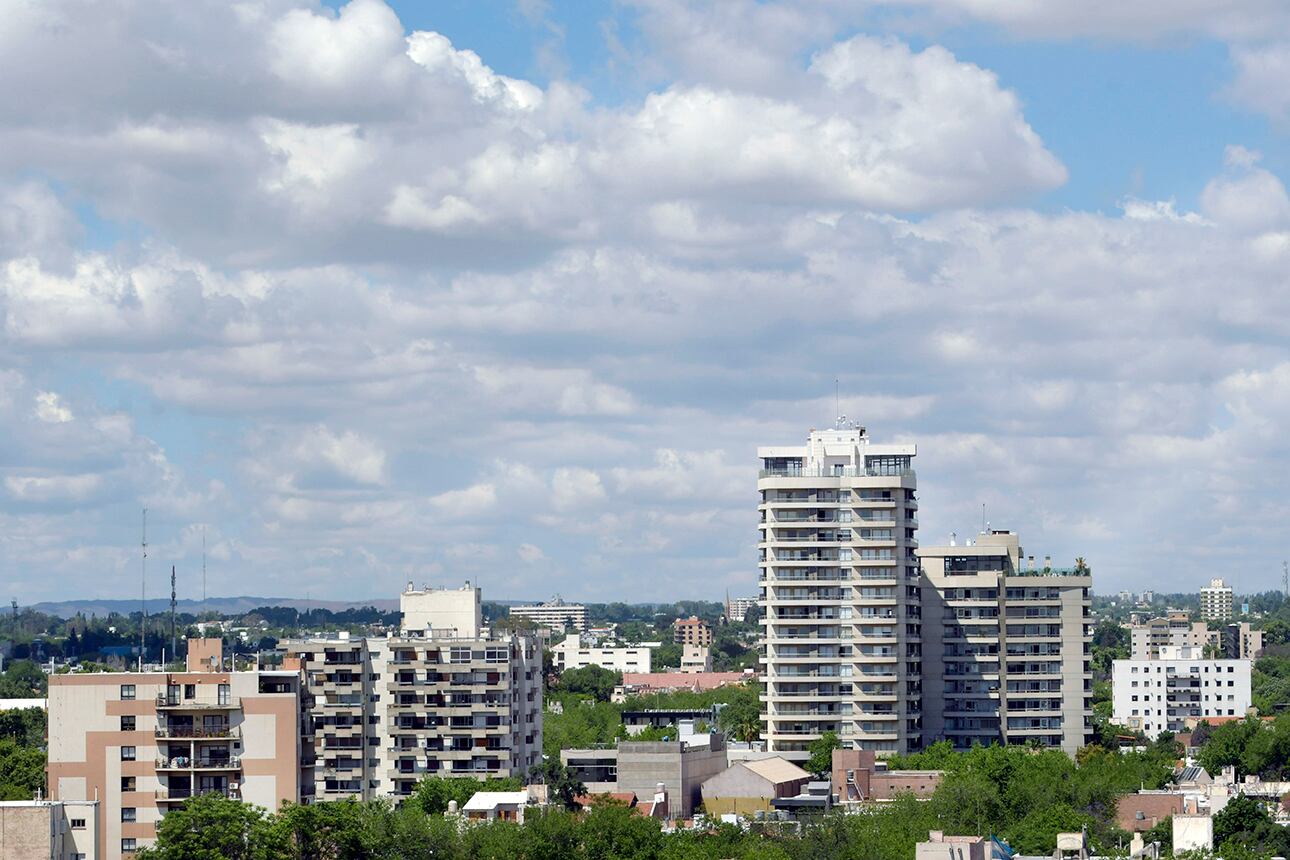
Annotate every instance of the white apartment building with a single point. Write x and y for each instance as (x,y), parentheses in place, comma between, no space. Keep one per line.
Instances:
(737,607)
(695,659)
(1216,601)
(839,593)
(1177,690)
(1006,646)
(554,614)
(570,654)
(1175,629)
(445,697)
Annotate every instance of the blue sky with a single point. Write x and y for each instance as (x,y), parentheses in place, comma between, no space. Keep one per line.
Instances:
(512,291)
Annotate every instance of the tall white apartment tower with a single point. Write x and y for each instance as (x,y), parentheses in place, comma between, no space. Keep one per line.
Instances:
(1216,601)
(839,593)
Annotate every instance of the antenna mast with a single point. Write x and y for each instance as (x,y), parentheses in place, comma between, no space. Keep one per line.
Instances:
(143,591)
(174,641)
(203,568)
(1285,578)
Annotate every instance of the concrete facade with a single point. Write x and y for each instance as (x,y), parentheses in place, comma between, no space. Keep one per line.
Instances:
(691,631)
(856,778)
(737,607)
(748,787)
(53,829)
(841,626)
(569,654)
(1174,629)
(554,614)
(445,697)
(141,742)
(1006,646)
(941,847)
(1177,690)
(681,767)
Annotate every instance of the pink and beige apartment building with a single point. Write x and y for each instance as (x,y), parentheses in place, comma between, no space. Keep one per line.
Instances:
(142,742)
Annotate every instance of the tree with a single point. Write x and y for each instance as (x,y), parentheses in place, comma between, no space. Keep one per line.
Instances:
(212,827)
(821,750)
(22,770)
(613,832)
(1037,832)
(968,803)
(740,718)
(595,681)
(433,793)
(561,784)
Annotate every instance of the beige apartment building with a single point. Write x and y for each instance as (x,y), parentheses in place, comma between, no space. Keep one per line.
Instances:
(1175,629)
(140,742)
(691,631)
(53,829)
(840,593)
(1006,646)
(445,697)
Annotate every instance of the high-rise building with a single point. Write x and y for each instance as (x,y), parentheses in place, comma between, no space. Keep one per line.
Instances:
(554,614)
(737,607)
(443,697)
(691,631)
(141,742)
(1238,641)
(839,593)
(1216,601)
(1006,646)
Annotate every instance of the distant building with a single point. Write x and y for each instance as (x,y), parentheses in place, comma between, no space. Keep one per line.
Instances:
(1216,601)
(554,614)
(1240,642)
(1176,691)
(442,697)
(737,607)
(1174,629)
(570,654)
(696,658)
(56,829)
(1138,813)
(669,682)
(941,847)
(691,631)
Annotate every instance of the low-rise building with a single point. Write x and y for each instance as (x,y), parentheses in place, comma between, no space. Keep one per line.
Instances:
(554,614)
(640,684)
(496,806)
(1178,690)
(646,768)
(857,777)
(696,658)
(54,829)
(752,786)
(1140,812)
(941,847)
(570,654)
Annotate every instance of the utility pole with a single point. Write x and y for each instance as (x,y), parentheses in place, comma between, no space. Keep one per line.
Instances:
(174,641)
(143,592)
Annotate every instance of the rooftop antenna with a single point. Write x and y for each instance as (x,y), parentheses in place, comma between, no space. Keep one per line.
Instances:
(837,401)
(983,525)
(1285,578)
(174,641)
(203,568)
(143,590)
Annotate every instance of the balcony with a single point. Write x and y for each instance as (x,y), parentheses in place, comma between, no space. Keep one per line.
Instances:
(198,733)
(838,472)
(185,763)
(219,703)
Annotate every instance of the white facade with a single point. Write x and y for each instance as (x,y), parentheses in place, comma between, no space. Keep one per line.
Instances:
(554,614)
(696,658)
(737,607)
(1216,601)
(1177,690)
(441,611)
(839,593)
(570,654)
(1175,629)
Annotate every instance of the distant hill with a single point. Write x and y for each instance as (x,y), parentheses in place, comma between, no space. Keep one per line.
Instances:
(222,605)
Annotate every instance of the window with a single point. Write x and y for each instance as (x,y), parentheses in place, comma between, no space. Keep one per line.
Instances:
(127,723)
(127,783)
(127,692)
(128,845)
(78,855)
(127,753)
(128,813)
(190,691)
(78,823)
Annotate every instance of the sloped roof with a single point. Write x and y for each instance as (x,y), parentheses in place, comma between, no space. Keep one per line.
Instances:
(776,769)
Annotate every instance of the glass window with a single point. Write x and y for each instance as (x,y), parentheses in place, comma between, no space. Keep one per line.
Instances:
(127,722)
(129,844)
(128,813)
(127,691)
(127,753)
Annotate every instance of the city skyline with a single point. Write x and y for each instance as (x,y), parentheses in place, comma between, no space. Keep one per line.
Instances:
(356,294)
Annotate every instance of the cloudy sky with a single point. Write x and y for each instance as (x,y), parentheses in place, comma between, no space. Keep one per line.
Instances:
(512,291)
